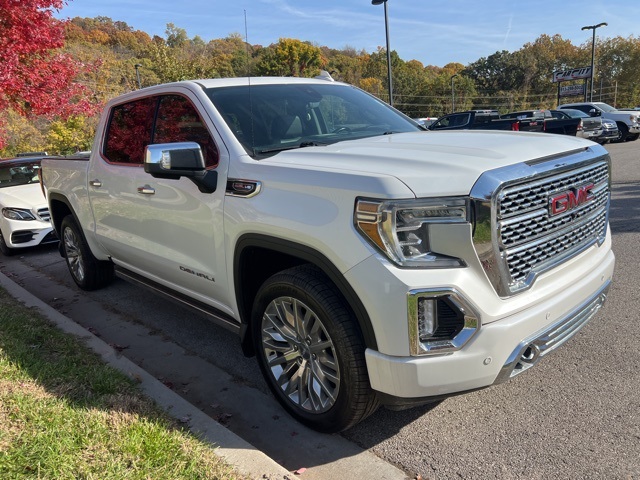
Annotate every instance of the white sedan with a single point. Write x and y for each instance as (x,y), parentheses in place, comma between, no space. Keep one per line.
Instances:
(25,220)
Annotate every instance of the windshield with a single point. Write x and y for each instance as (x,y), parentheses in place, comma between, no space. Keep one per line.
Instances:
(605,108)
(267,119)
(12,174)
(575,113)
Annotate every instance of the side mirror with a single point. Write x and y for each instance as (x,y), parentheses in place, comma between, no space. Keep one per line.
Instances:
(181,159)
(594,113)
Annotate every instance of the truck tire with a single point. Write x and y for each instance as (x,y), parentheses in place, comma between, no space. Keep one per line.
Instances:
(87,271)
(310,350)
(623,131)
(633,138)
(4,248)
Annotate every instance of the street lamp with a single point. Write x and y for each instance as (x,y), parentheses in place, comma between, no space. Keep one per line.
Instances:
(593,52)
(453,95)
(137,65)
(386,28)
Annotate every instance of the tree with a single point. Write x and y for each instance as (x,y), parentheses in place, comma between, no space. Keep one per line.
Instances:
(36,78)
(176,37)
(70,136)
(290,57)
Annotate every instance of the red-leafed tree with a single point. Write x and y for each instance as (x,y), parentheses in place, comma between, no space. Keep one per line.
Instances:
(36,78)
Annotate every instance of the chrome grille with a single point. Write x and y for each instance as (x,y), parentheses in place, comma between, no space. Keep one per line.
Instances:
(43,213)
(519,199)
(517,235)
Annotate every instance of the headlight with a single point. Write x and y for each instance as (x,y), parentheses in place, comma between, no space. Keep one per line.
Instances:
(400,228)
(18,214)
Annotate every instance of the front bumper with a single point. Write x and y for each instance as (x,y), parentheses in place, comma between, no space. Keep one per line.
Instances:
(506,337)
(634,129)
(608,135)
(23,234)
(590,134)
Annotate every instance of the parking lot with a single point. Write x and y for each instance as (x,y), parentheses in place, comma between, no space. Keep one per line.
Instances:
(576,415)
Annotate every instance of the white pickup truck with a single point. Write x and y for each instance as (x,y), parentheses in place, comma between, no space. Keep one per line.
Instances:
(363,260)
(628,122)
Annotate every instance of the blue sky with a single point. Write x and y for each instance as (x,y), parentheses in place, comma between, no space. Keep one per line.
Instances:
(435,32)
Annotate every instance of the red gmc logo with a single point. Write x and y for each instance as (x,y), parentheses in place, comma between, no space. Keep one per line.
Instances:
(565,201)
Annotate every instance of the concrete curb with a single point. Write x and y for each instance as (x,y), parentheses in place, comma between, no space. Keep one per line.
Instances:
(247,460)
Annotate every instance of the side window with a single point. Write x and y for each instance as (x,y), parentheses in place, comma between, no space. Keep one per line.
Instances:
(179,121)
(129,131)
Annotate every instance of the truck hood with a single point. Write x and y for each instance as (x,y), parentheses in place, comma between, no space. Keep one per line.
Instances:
(623,115)
(22,196)
(432,163)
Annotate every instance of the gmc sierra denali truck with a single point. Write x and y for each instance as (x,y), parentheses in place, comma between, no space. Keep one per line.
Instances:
(364,261)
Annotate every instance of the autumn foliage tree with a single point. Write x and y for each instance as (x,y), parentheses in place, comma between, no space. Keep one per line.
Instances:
(36,79)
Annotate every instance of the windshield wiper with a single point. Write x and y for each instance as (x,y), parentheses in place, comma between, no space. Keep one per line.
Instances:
(291,147)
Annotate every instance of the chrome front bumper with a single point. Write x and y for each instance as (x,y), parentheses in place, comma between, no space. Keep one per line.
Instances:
(531,350)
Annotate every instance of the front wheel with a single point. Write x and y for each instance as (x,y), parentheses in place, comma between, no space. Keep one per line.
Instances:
(87,271)
(623,131)
(310,350)
(4,248)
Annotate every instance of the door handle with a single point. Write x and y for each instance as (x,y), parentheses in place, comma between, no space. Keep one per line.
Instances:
(146,190)
(95,183)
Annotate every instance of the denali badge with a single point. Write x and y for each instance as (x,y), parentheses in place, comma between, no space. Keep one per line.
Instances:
(197,274)
(565,201)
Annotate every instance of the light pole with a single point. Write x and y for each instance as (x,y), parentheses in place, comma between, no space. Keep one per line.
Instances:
(593,52)
(453,95)
(137,65)
(386,28)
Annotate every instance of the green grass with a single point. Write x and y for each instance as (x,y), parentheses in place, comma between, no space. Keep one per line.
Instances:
(64,414)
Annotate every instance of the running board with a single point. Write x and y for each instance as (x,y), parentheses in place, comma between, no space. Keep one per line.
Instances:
(200,308)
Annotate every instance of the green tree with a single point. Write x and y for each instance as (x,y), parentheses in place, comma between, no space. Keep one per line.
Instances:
(70,136)
(290,57)
(20,133)
(176,37)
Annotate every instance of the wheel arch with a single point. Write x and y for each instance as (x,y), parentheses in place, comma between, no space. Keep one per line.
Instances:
(257,257)
(59,208)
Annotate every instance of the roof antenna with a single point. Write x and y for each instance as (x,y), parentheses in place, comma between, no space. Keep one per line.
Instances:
(246,44)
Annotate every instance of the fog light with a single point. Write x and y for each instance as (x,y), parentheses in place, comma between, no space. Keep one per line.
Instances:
(427,318)
(441,321)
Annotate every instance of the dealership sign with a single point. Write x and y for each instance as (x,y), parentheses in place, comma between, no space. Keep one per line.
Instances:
(573,74)
(571,90)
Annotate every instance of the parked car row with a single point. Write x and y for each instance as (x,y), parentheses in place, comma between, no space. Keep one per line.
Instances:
(595,121)
(526,121)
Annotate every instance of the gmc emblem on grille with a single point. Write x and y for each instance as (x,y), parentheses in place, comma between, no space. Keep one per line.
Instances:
(565,201)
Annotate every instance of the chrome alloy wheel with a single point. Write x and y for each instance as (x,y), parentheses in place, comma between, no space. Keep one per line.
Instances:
(300,354)
(74,254)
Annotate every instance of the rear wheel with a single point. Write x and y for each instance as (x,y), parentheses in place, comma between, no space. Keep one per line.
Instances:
(623,131)
(87,271)
(4,248)
(310,350)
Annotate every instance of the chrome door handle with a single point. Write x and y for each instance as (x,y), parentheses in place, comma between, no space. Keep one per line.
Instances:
(146,190)
(95,183)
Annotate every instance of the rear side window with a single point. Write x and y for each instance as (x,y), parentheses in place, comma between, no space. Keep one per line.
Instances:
(179,121)
(129,131)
